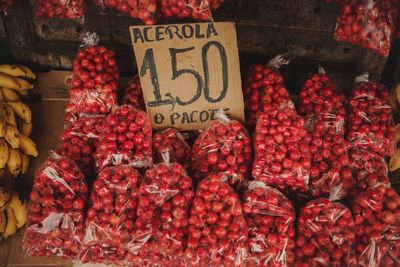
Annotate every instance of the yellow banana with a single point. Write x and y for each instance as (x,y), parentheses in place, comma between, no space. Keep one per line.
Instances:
(25,163)
(4,153)
(12,136)
(3,221)
(10,95)
(22,110)
(11,226)
(26,128)
(14,163)
(8,81)
(10,116)
(22,85)
(394,162)
(27,146)
(3,127)
(19,209)
(5,197)
(23,92)
(17,71)
(397,132)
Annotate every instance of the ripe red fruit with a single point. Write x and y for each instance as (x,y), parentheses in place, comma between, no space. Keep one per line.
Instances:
(170,142)
(183,9)
(111,216)
(56,211)
(223,242)
(143,10)
(369,169)
(330,174)
(95,68)
(225,146)
(368,24)
(319,95)
(165,196)
(264,89)
(325,235)
(73,9)
(370,123)
(133,94)
(79,141)
(90,102)
(377,220)
(282,151)
(125,139)
(270,217)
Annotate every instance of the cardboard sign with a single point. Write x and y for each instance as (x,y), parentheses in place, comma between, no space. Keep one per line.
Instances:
(188,72)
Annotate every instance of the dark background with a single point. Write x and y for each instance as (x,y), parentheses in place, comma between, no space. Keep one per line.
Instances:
(302,28)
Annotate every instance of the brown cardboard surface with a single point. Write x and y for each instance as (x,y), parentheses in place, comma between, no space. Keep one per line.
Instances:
(173,61)
(52,84)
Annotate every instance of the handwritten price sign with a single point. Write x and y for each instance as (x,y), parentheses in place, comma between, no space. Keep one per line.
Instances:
(188,72)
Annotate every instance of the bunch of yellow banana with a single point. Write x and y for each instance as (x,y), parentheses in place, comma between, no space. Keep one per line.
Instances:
(12,212)
(15,120)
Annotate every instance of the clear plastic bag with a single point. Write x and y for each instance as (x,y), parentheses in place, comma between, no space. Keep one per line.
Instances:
(183,9)
(377,221)
(90,102)
(319,95)
(264,88)
(270,217)
(330,173)
(111,216)
(56,211)
(133,94)
(79,141)
(225,146)
(282,151)
(370,121)
(218,233)
(125,139)
(143,10)
(369,169)
(165,196)
(366,23)
(172,142)
(62,9)
(325,235)
(5,5)
(95,67)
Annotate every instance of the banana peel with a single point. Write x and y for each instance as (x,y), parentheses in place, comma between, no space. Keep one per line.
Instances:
(22,110)
(11,227)
(14,163)
(5,197)
(12,136)
(394,162)
(17,71)
(19,208)
(27,146)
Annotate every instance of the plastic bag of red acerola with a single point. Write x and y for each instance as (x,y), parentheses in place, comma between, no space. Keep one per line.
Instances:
(282,152)
(133,94)
(225,146)
(125,139)
(370,121)
(85,102)
(111,216)
(57,209)
(366,23)
(330,173)
(264,88)
(218,233)
(369,169)
(377,220)
(143,10)
(95,67)
(62,9)
(172,142)
(319,95)
(184,9)
(270,217)
(165,196)
(325,235)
